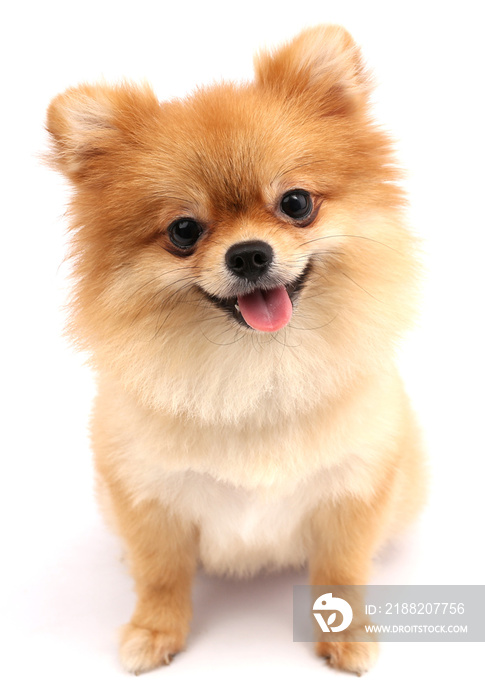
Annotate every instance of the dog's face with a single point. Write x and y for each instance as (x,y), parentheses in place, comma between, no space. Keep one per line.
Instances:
(241,244)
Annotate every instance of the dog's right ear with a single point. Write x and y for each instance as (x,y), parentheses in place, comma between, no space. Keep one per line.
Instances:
(92,124)
(322,66)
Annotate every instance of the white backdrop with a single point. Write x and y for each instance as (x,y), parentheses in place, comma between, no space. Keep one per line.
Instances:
(66,591)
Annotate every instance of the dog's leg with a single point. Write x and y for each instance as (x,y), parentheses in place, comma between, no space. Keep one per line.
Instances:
(344,538)
(162,552)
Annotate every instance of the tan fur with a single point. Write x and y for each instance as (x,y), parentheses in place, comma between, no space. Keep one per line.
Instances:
(216,443)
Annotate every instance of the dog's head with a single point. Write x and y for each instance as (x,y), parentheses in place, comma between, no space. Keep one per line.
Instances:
(240,246)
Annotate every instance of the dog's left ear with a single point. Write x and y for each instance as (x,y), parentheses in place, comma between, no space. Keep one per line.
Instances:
(322,65)
(93,126)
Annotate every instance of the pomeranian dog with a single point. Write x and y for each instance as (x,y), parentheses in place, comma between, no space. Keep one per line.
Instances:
(243,273)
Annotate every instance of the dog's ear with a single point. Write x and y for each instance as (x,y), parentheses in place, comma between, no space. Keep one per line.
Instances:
(92,124)
(322,65)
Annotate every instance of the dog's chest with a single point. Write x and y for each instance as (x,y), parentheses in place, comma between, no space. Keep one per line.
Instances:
(242,531)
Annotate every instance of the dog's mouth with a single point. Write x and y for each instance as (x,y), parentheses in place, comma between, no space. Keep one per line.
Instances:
(264,309)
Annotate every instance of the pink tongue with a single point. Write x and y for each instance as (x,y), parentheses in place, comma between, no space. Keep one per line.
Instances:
(267,310)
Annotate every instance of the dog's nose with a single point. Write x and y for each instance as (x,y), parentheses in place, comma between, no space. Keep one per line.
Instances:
(249,260)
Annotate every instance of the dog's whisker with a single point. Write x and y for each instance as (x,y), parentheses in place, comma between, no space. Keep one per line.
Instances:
(314,328)
(348,235)
(236,340)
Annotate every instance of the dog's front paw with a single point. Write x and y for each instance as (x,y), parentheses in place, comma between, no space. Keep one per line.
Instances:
(143,649)
(355,657)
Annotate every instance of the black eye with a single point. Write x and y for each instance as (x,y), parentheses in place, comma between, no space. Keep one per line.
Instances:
(297,204)
(184,232)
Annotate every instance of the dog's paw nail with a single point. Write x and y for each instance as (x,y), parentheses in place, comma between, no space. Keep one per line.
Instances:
(354,657)
(143,649)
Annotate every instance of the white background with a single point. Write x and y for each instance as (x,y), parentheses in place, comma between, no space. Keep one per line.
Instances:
(66,590)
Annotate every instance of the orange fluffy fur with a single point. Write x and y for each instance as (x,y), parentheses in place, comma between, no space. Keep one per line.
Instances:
(215,443)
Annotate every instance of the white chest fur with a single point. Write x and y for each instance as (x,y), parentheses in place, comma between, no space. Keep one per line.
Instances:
(242,531)
(249,489)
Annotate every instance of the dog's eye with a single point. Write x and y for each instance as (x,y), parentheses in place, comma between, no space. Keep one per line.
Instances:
(297,204)
(184,233)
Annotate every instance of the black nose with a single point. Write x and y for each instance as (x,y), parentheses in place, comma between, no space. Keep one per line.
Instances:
(249,260)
